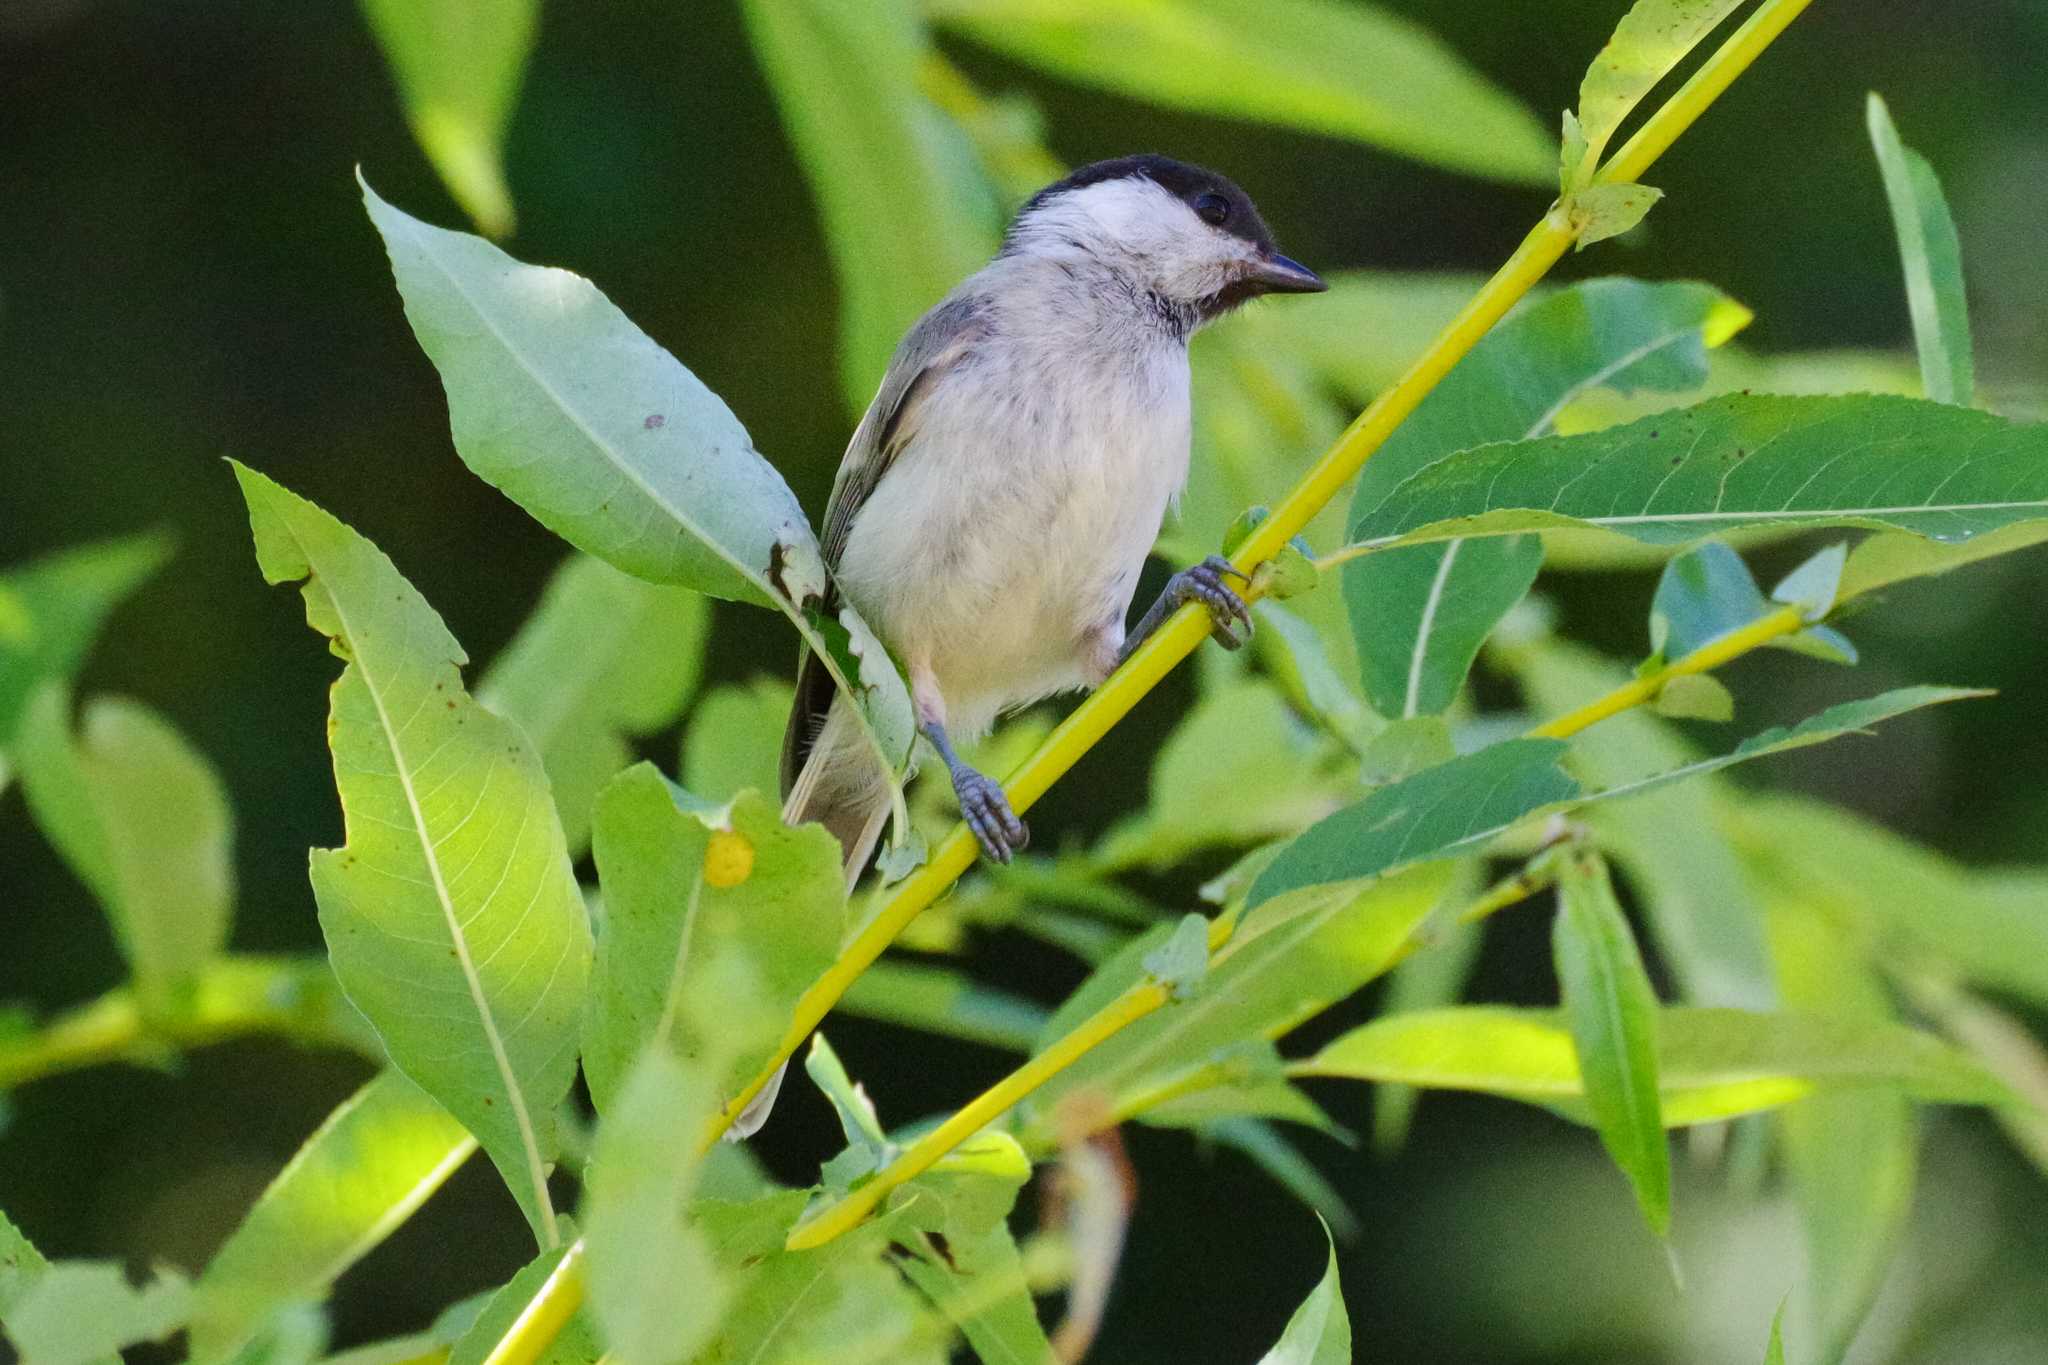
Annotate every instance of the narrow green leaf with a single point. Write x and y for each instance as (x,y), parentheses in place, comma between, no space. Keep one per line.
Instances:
(1430,979)
(1712,1064)
(1438,811)
(907,212)
(361,1174)
(1612,1013)
(1774,1352)
(1651,38)
(1240,1081)
(51,608)
(1319,1333)
(656,1290)
(1419,615)
(1352,71)
(1732,463)
(1265,1147)
(75,1312)
(143,820)
(962,1256)
(843,1301)
(940,1000)
(458,64)
(1933,258)
(734,737)
(605,657)
(684,889)
(561,403)
(451,914)
(1894,557)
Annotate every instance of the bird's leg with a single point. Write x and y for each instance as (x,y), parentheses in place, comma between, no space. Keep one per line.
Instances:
(982,804)
(1202,583)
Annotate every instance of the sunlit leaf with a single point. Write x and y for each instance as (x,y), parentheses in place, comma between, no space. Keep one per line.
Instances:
(1933,259)
(907,212)
(1712,1064)
(458,64)
(1319,1333)
(361,1174)
(1599,212)
(451,914)
(670,916)
(576,1344)
(1611,1011)
(605,657)
(656,1291)
(1893,557)
(1419,615)
(51,608)
(559,401)
(143,820)
(1774,1351)
(1651,38)
(962,1256)
(1351,71)
(1731,463)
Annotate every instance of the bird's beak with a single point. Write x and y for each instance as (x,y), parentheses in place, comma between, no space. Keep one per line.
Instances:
(1276,274)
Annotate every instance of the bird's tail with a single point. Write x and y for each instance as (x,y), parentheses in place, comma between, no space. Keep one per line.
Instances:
(841,788)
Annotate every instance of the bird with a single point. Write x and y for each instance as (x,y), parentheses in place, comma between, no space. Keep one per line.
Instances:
(997,502)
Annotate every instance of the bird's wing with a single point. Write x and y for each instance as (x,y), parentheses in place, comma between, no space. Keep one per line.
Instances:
(940,340)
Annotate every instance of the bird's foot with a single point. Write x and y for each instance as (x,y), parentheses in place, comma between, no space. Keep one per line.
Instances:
(997,829)
(1204,583)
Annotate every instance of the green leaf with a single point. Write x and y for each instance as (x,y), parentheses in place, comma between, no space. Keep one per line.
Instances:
(1816,584)
(1712,1064)
(143,820)
(1696,696)
(1351,71)
(907,212)
(1774,1352)
(1598,212)
(1612,1013)
(1440,810)
(577,1344)
(603,658)
(1241,1080)
(1263,1145)
(1182,961)
(1301,661)
(733,739)
(1651,38)
(51,608)
(857,1118)
(458,64)
(656,1290)
(1419,615)
(451,914)
(1703,594)
(1933,258)
(673,912)
(560,402)
(962,1256)
(1431,978)
(361,1174)
(940,1000)
(75,1312)
(1893,557)
(21,1267)
(1290,959)
(1319,1333)
(1732,463)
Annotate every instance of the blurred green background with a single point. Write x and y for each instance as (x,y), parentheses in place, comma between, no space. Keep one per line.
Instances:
(186,274)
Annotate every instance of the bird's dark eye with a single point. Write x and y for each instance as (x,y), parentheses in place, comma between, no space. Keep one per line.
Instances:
(1213,209)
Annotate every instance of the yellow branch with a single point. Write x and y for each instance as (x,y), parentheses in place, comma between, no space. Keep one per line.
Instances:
(1785,621)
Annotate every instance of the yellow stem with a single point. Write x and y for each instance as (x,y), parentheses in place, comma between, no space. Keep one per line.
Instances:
(1763,630)
(545,1314)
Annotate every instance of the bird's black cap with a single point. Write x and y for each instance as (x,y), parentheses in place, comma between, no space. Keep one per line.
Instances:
(1185,182)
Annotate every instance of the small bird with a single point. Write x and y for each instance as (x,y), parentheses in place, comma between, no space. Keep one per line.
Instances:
(997,502)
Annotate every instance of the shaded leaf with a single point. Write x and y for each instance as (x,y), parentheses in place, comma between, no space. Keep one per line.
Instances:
(1734,462)
(1933,258)
(940,1000)
(1894,557)
(362,1173)
(1696,696)
(605,657)
(75,1312)
(1612,1013)
(143,820)
(1815,585)
(458,64)
(1703,594)
(733,739)
(21,1266)
(1350,71)
(51,608)
(451,915)
(1712,1063)
(907,212)
(669,922)
(577,1344)
(1272,1153)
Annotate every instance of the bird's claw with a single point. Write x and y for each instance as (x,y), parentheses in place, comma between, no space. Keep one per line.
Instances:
(987,812)
(1204,583)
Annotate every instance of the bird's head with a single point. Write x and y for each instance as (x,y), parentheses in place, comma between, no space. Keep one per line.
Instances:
(1186,240)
